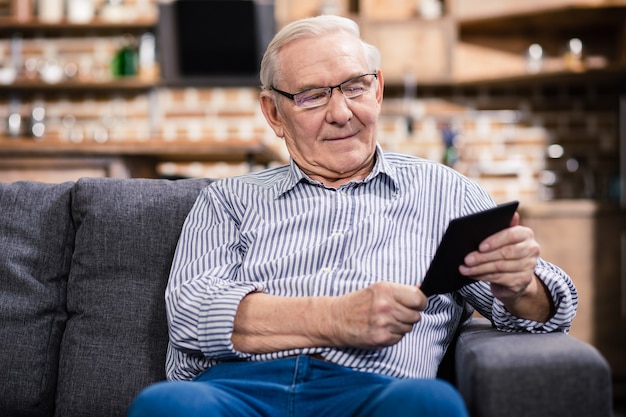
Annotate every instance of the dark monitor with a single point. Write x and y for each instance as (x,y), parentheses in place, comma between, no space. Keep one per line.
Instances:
(213,42)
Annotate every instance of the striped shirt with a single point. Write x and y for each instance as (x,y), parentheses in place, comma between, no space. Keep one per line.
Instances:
(280,232)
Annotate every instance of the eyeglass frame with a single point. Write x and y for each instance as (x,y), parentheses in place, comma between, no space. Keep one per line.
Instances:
(329,88)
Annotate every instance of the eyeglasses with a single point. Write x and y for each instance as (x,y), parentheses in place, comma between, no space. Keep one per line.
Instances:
(316,97)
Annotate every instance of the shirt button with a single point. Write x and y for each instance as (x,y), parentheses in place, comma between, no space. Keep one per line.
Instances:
(326,270)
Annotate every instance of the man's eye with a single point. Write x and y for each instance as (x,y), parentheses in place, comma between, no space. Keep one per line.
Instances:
(313,96)
(353,88)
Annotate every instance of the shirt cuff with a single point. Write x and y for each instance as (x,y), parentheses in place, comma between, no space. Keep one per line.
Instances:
(564,297)
(217,318)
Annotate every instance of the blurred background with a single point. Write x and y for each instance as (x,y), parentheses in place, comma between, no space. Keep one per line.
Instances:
(526,97)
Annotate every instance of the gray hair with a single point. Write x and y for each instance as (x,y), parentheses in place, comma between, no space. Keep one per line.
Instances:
(311,27)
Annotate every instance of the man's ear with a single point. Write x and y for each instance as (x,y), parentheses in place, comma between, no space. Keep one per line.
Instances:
(381,87)
(271,113)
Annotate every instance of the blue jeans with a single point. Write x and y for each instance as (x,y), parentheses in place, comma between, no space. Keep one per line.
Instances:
(297,387)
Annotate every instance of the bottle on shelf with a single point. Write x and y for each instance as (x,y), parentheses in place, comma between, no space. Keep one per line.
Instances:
(147,57)
(125,61)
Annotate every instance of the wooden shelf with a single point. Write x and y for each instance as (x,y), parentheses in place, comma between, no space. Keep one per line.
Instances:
(611,73)
(117,84)
(495,15)
(233,150)
(10,24)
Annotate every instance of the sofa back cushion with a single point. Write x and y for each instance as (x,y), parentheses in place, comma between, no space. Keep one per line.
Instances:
(36,237)
(116,335)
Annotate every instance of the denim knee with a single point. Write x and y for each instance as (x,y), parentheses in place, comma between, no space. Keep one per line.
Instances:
(417,397)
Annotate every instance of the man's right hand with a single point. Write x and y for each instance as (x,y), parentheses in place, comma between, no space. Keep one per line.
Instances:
(376,316)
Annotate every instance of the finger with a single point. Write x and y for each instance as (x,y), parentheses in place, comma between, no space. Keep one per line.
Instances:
(405,326)
(509,258)
(512,277)
(407,316)
(411,297)
(517,244)
(498,271)
(511,235)
(512,253)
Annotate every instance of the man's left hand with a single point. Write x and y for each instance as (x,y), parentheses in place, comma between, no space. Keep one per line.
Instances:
(507,261)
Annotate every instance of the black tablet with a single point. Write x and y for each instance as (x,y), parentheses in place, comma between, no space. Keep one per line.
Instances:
(463,236)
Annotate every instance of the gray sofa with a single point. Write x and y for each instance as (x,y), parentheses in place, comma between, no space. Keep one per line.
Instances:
(83,267)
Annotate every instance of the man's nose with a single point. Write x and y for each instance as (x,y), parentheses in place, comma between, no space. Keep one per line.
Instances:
(338,110)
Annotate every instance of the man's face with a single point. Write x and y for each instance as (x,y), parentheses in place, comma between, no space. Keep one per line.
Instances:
(334,143)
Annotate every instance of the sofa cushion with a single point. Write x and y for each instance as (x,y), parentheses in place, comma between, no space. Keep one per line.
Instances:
(36,236)
(116,335)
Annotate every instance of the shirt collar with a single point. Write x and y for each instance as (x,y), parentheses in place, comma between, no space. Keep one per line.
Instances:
(381,168)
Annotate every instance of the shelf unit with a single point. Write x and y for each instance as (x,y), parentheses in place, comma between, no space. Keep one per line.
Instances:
(128,156)
(446,53)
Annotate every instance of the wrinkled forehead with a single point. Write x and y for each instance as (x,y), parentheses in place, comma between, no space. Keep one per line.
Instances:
(322,60)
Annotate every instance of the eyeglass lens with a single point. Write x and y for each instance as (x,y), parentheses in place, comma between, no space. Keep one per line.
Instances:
(352,88)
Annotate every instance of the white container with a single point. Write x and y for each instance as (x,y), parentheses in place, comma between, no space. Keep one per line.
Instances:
(430,9)
(50,11)
(80,11)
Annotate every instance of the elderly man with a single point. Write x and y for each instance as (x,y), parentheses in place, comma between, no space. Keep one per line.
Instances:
(296,291)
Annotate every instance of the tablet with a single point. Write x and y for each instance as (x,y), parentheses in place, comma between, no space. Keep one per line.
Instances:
(463,236)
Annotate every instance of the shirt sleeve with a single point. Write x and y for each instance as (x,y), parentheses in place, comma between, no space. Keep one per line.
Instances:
(564,297)
(203,293)
(560,286)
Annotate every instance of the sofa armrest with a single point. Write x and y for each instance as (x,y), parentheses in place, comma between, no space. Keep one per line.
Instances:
(522,374)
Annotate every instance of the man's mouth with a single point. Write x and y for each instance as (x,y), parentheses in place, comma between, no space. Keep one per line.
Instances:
(341,137)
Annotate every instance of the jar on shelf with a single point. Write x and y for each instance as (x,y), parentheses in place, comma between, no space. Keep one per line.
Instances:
(50,11)
(80,11)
